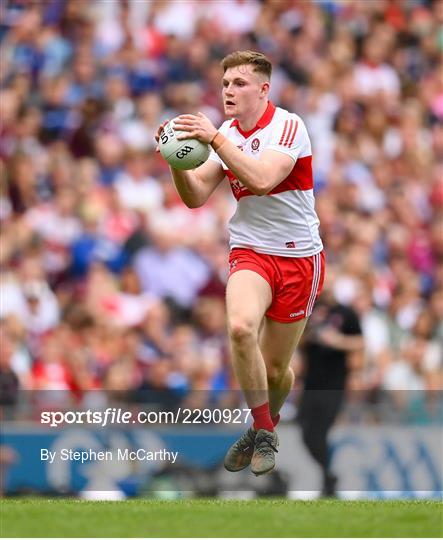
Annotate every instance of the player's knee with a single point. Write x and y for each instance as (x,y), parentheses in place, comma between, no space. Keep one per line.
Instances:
(242,331)
(275,375)
(277,372)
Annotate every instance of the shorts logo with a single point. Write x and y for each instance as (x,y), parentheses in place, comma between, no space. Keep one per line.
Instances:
(255,144)
(297,313)
(290,244)
(233,264)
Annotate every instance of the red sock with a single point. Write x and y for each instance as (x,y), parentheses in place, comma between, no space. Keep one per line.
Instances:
(275,419)
(262,417)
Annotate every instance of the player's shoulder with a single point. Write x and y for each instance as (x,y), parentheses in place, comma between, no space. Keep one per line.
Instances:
(289,128)
(224,128)
(283,114)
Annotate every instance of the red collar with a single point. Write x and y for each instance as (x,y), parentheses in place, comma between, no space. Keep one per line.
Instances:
(264,121)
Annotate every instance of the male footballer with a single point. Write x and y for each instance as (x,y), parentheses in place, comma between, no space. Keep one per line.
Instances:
(276,254)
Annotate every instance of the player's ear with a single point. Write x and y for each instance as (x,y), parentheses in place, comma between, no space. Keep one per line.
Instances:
(264,90)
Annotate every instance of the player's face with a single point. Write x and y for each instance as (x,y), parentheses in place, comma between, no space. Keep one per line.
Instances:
(242,90)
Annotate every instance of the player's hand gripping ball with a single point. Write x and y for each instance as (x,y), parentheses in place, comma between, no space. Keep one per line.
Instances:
(182,154)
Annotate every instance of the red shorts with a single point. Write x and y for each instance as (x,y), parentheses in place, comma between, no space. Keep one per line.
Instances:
(295,282)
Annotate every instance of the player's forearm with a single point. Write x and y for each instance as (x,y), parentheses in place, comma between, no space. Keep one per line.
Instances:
(189,187)
(252,173)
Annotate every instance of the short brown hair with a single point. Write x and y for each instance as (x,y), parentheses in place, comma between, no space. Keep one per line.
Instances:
(238,58)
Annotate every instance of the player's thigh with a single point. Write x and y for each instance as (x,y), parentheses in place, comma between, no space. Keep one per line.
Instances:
(248,296)
(278,342)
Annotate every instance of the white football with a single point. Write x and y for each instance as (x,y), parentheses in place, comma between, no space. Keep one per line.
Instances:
(185,154)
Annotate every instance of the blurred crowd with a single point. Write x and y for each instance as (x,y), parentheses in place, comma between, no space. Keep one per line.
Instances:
(110,282)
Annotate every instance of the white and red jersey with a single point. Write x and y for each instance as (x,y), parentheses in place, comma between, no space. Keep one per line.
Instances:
(284,221)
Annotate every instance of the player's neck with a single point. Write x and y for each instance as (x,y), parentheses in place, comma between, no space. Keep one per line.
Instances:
(250,121)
